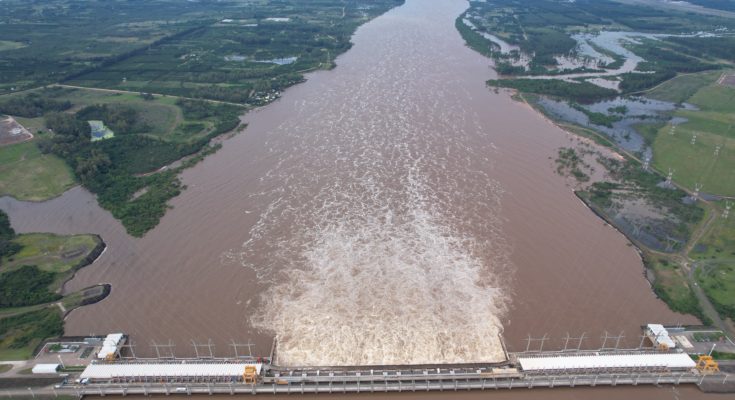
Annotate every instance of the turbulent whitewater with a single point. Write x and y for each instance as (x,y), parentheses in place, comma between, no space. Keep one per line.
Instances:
(370,240)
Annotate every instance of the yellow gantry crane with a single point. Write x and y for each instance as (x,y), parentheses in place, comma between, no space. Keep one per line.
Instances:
(250,375)
(707,365)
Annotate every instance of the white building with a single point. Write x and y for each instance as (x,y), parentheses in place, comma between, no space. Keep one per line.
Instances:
(45,368)
(660,337)
(110,346)
(601,362)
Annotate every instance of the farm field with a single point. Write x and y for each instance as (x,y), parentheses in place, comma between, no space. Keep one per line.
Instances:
(230,50)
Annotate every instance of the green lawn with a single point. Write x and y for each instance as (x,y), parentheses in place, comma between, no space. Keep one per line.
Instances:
(26,174)
(53,253)
(713,124)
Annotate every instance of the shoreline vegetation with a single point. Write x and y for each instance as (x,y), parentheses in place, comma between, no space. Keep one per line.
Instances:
(126,120)
(34,268)
(667,119)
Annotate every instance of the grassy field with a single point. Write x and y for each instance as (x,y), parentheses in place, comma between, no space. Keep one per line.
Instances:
(718,282)
(160,114)
(26,174)
(671,286)
(49,252)
(713,124)
(681,88)
(719,242)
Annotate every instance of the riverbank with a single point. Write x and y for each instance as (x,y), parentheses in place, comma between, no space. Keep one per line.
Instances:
(35,270)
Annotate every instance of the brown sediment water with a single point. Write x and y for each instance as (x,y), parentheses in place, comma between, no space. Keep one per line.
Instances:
(392,210)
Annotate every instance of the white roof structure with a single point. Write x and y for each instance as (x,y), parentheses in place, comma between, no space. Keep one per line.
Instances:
(604,361)
(45,368)
(659,335)
(182,369)
(110,345)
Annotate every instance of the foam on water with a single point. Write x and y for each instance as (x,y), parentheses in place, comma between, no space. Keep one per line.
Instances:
(381,242)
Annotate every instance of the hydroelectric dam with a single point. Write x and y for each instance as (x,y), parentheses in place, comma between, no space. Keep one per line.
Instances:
(662,360)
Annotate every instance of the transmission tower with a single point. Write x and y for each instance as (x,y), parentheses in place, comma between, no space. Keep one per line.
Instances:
(669,177)
(530,339)
(694,139)
(726,213)
(697,188)
(170,346)
(672,130)
(717,150)
(646,163)
(248,345)
(208,345)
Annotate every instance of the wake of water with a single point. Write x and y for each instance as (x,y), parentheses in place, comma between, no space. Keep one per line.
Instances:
(381,242)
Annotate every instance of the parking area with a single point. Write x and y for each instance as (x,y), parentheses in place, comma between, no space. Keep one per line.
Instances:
(701,341)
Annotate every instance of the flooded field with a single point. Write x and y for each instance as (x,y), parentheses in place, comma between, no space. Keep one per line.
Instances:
(392,210)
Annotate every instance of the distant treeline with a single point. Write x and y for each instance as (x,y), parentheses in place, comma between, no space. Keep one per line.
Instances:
(31,105)
(583,92)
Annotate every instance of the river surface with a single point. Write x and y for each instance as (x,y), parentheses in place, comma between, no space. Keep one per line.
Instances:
(392,210)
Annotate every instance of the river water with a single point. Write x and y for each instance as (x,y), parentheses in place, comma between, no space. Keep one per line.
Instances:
(392,210)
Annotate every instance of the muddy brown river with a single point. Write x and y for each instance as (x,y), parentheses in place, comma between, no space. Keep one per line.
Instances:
(392,210)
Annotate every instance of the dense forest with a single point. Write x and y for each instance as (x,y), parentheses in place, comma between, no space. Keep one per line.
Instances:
(26,286)
(32,105)
(7,246)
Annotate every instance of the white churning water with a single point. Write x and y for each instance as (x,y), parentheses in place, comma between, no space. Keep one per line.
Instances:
(374,209)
